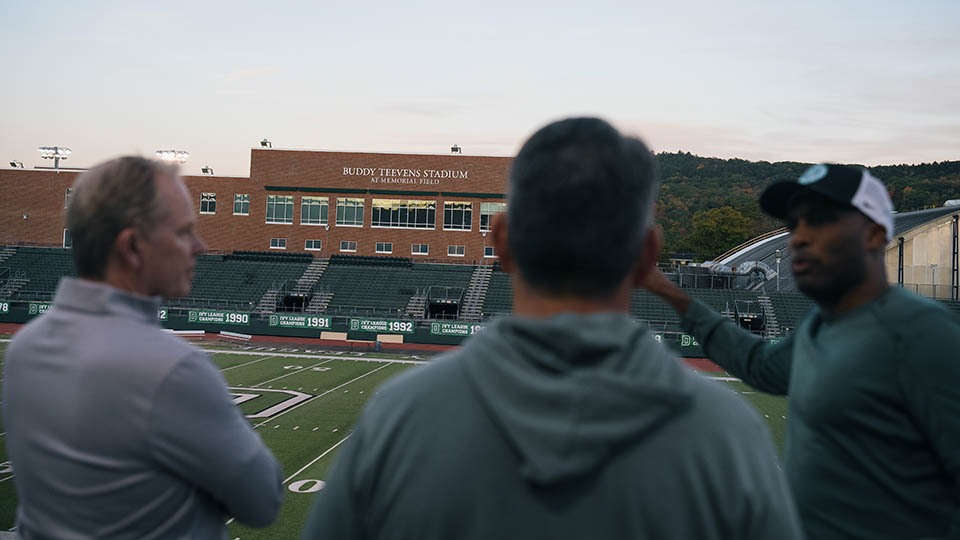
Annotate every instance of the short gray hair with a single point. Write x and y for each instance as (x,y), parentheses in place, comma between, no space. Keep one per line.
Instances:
(580,202)
(107,199)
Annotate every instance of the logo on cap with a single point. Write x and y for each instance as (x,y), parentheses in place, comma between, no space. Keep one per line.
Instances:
(813,174)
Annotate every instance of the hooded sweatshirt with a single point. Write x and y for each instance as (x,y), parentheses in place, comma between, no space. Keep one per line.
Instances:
(573,426)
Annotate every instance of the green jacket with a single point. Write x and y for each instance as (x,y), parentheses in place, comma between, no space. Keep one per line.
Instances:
(567,427)
(873,437)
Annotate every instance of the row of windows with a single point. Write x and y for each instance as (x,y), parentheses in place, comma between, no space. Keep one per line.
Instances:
(350,246)
(347,246)
(387,213)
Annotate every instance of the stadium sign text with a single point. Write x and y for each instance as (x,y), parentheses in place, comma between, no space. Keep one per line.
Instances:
(686,340)
(4,307)
(218,317)
(455,328)
(388,175)
(39,308)
(381,326)
(162,314)
(300,321)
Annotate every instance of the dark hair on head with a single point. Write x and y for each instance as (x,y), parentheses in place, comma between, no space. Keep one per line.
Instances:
(107,199)
(580,202)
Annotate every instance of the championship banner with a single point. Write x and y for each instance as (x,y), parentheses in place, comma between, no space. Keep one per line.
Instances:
(218,317)
(441,328)
(284,320)
(381,326)
(39,308)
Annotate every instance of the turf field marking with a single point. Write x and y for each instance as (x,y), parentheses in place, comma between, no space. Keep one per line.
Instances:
(320,356)
(316,459)
(248,363)
(321,395)
(2,480)
(301,370)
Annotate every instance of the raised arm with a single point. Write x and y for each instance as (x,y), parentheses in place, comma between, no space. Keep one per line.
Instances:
(763,366)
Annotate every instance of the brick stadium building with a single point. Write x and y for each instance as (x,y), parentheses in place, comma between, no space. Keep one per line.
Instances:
(434,208)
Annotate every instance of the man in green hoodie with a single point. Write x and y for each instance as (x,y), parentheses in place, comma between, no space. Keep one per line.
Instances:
(873,439)
(567,420)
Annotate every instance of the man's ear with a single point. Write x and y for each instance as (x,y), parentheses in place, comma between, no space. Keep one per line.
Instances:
(126,248)
(649,255)
(501,241)
(876,237)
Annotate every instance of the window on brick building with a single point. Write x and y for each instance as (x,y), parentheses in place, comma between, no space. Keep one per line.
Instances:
(457,216)
(384,247)
(489,252)
(208,203)
(241,204)
(403,214)
(487,211)
(66,197)
(67,239)
(314,210)
(349,212)
(278,243)
(420,249)
(313,245)
(456,251)
(348,245)
(279,208)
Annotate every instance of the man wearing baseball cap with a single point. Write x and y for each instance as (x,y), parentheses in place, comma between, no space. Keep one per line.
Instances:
(873,373)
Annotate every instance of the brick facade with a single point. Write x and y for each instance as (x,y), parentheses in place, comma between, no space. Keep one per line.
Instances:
(40,195)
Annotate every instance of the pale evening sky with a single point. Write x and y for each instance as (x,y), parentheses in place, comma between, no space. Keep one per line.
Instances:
(873,82)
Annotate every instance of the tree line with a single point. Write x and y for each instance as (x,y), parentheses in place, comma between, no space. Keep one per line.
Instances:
(709,205)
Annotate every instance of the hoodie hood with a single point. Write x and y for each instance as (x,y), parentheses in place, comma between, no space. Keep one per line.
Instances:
(570,391)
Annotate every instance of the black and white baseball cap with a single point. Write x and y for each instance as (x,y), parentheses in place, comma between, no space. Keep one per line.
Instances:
(852,186)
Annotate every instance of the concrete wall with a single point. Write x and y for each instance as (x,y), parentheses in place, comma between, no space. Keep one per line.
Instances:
(927,245)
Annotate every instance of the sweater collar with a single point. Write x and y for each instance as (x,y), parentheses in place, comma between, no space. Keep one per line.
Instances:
(96,297)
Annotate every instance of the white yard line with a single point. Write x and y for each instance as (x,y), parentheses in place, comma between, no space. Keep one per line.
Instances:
(248,363)
(319,356)
(2,480)
(316,459)
(320,396)
(291,373)
(724,379)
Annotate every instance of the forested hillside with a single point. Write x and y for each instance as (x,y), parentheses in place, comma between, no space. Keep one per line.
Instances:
(708,205)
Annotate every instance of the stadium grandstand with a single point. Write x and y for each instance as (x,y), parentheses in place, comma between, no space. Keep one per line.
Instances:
(315,244)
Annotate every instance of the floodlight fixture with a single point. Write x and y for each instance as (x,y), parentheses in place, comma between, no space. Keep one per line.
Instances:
(16,164)
(173,156)
(56,153)
(455,149)
(206,169)
(266,143)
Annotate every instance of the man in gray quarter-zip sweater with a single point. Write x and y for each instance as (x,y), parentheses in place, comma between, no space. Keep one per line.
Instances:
(567,420)
(115,429)
(873,373)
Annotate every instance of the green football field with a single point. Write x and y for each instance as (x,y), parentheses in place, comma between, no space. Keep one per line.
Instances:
(303,405)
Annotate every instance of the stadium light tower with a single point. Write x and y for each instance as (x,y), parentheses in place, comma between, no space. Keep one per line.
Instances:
(778,255)
(56,153)
(173,156)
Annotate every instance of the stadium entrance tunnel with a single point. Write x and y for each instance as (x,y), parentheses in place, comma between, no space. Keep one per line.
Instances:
(295,301)
(444,302)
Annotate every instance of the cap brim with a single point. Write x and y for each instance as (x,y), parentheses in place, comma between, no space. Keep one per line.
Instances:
(774,199)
